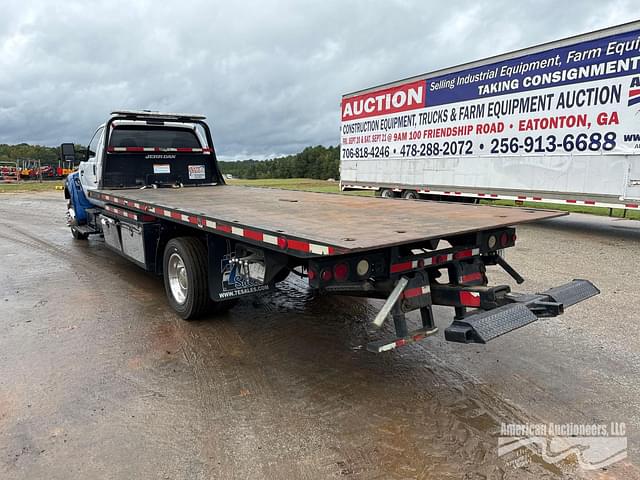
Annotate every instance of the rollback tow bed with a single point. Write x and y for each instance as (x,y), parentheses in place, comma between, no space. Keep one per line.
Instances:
(396,250)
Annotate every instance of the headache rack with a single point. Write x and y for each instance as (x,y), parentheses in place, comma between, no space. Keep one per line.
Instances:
(125,176)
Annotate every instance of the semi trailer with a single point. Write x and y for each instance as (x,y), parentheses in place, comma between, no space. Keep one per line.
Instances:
(556,123)
(150,185)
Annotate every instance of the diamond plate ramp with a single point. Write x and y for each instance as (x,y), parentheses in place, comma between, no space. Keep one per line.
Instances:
(484,326)
(572,292)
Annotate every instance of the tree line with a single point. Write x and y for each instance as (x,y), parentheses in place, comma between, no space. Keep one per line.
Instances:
(313,162)
(46,155)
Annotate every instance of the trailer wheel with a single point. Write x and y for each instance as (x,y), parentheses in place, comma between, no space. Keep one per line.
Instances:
(410,195)
(186,277)
(386,193)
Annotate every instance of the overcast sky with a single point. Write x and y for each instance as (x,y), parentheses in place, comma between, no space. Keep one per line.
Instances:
(268,75)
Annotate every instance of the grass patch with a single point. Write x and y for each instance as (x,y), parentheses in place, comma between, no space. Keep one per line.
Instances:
(305,184)
(30,186)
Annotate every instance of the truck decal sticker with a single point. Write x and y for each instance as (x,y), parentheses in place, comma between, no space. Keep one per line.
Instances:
(196,172)
(236,275)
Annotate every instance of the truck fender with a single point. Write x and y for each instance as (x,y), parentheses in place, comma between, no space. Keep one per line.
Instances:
(77,199)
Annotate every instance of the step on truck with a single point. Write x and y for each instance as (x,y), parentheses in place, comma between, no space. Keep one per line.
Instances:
(151,186)
(555,123)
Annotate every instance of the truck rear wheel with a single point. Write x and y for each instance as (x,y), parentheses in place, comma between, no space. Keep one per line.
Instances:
(186,277)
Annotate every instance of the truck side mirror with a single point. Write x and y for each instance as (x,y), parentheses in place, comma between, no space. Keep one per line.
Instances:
(68,152)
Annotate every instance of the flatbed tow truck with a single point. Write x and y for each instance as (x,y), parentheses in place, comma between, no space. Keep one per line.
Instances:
(151,186)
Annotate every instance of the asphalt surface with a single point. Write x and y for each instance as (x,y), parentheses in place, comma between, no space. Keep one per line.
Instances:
(99,379)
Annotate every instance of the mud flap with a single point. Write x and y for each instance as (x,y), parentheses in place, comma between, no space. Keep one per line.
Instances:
(486,325)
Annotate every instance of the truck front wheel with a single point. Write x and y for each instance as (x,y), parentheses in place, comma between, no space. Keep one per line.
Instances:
(73,223)
(186,276)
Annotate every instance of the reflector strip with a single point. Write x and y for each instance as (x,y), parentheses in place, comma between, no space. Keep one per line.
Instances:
(255,235)
(416,292)
(158,149)
(131,215)
(471,277)
(559,201)
(470,299)
(401,267)
(269,239)
(466,253)
(402,342)
(298,245)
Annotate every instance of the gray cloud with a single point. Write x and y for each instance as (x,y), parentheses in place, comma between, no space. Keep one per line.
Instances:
(269,75)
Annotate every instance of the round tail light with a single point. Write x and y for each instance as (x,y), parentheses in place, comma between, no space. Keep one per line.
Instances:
(341,272)
(362,268)
(326,275)
(311,275)
(504,240)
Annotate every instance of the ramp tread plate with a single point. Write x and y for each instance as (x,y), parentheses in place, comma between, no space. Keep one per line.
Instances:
(492,324)
(572,292)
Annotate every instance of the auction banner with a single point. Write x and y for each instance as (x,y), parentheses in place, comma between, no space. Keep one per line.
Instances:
(580,99)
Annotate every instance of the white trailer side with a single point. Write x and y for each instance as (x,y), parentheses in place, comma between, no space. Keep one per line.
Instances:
(559,123)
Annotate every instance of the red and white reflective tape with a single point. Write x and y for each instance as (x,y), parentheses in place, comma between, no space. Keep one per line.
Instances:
(127,214)
(400,342)
(416,292)
(159,149)
(281,242)
(471,252)
(517,198)
(424,262)
(471,277)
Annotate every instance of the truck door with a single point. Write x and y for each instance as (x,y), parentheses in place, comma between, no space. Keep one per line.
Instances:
(89,168)
(632,189)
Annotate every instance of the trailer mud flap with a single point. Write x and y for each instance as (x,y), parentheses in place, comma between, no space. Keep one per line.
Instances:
(486,325)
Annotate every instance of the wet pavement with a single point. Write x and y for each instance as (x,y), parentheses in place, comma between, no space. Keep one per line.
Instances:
(99,379)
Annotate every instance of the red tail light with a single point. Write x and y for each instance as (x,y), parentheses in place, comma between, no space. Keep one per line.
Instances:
(311,274)
(341,272)
(504,240)
(326,275)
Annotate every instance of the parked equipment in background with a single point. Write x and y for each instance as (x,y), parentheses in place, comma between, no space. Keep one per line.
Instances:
(556,123)
(150,184)
(9,172)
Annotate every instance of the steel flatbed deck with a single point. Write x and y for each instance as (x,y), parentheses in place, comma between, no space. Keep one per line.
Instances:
(317,223)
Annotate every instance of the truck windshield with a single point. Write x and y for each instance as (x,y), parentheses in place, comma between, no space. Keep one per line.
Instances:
(163,137)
